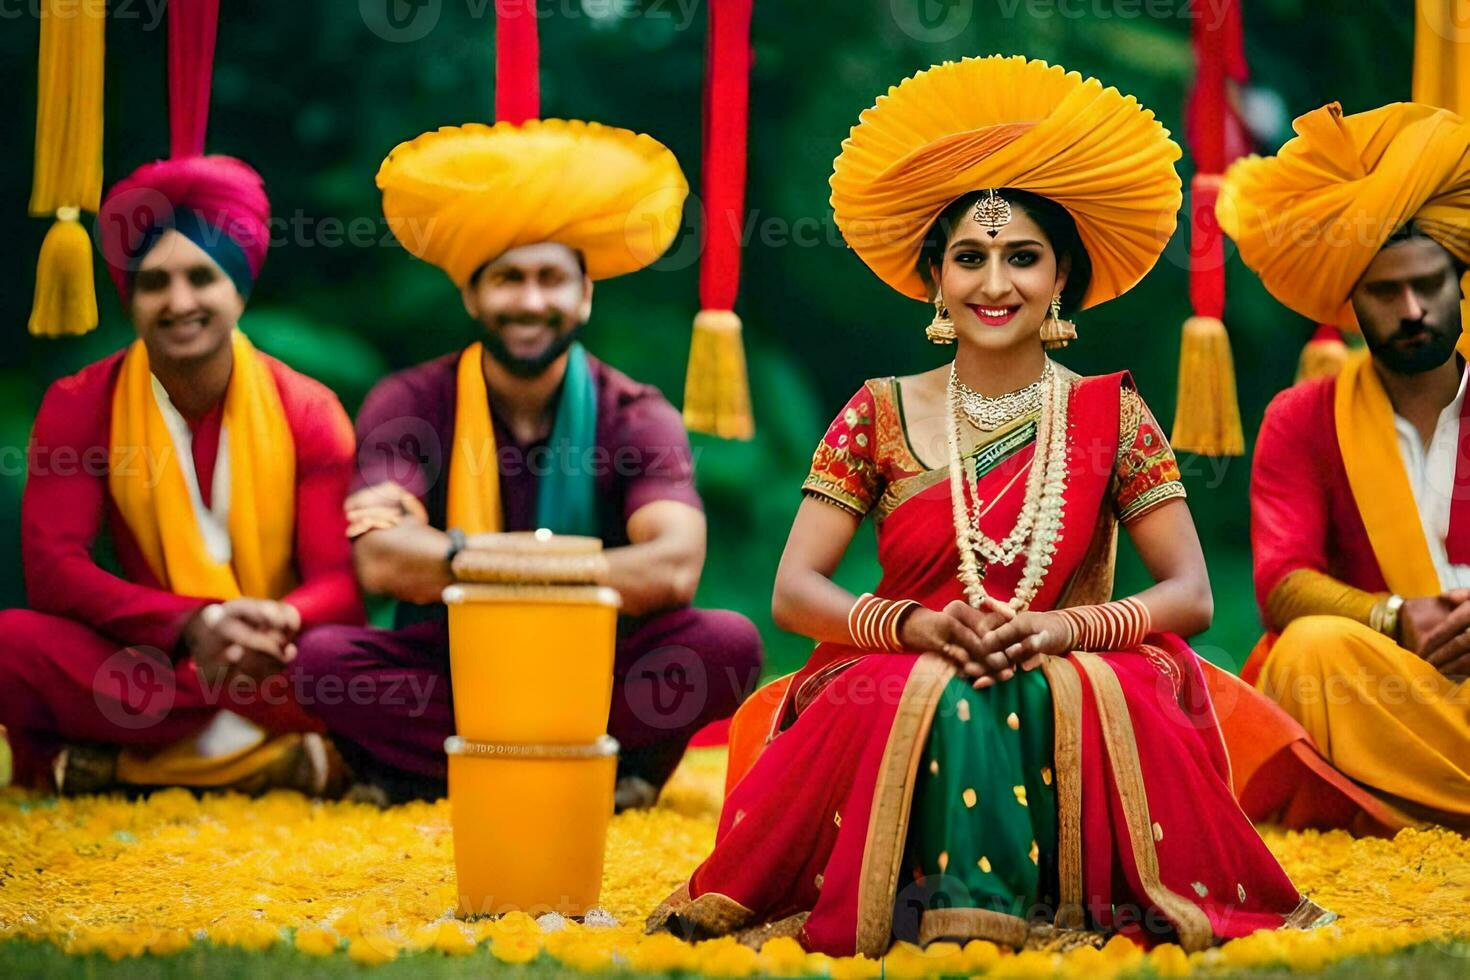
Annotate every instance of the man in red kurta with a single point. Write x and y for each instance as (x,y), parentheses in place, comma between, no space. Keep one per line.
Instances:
(1360,492)
(182,520)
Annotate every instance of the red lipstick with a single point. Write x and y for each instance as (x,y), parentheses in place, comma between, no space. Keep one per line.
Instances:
(993,316)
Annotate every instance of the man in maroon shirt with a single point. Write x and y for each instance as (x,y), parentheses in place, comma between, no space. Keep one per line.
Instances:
(165,600)
(526,277)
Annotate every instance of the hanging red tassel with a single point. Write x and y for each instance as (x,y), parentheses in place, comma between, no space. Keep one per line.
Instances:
(1207,412)
(716,389)
(192,27)
(517,62)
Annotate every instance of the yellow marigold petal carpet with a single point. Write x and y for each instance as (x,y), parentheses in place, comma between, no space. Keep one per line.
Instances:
(153,876)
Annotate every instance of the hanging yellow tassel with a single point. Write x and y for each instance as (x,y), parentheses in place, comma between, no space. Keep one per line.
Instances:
(1207,414)
(1323,356)
(68,173)
(7,769)
(1321,359)
(1441,64)
(66,300)
(716,391)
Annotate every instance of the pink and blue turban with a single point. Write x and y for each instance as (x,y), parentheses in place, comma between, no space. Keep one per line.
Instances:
(217,202)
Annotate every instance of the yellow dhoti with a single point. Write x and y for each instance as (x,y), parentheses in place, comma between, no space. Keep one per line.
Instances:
(1382,715)
(231,752)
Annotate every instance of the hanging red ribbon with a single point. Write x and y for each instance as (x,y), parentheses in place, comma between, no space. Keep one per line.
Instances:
(1238,140)
(1207,113)
(726,112)
(1206,248)
(517,62)
(1207,416)
(192,26)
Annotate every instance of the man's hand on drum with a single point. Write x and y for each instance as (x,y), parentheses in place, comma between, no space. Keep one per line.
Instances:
(955,634)
(1027,638)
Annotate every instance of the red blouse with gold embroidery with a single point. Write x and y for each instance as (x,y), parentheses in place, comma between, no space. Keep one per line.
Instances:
(865,452)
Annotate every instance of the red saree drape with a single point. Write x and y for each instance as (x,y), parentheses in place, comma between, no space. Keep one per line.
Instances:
(1151,841)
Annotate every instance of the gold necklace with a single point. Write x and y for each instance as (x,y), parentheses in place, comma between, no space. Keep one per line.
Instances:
(988,414)
(1039,525)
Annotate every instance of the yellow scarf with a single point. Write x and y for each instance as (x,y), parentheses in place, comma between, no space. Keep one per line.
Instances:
(1375,472)
(474,470)
(152,492)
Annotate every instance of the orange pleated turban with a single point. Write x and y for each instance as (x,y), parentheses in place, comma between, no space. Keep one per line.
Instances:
(462,195)
(1309,220)
(1007,122)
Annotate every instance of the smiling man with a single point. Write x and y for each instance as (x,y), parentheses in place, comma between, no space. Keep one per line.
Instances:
(525,429)
(1360,494)
(181,521)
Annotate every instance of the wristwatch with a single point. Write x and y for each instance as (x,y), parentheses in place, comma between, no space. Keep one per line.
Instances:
(458,540)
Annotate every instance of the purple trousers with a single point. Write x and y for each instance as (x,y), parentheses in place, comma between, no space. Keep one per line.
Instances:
(385,695)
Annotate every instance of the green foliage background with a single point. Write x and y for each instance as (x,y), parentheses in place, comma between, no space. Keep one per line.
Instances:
(313,97)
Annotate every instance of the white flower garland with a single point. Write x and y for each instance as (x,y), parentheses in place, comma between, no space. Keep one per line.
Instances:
(1038,526)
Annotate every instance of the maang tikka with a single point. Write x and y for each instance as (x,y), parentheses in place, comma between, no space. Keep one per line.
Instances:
(992,211)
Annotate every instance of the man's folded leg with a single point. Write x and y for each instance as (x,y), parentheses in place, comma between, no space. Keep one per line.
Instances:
(62,683)
(676,672)
(384,696)
(1380,714)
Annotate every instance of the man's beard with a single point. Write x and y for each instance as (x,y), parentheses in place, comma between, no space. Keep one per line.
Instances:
(1438,349)
(531,367)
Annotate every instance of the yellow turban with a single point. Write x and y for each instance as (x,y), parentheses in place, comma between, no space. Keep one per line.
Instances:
(463,195)
(1007,122)
(1309,220)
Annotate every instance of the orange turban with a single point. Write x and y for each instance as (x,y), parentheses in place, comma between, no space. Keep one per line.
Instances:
(1309,220)
(1007,122)
(463,195)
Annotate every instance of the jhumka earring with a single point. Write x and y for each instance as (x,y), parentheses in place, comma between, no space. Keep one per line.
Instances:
(1056,332)
(941,328)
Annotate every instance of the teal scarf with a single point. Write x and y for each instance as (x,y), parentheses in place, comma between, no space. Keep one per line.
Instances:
(566,497)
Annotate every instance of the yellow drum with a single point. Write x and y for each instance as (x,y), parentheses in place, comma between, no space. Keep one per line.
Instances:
(531,664)
(530,824)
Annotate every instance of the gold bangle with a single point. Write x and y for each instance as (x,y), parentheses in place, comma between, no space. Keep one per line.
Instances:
(1117,625)
(1383,618)
(872,622)
(900,610)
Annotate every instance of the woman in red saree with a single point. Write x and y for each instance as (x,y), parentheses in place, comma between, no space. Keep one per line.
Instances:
(961,758)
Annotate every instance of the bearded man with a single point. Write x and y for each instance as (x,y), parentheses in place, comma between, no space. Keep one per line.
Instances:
(1360,493)
(525,429)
